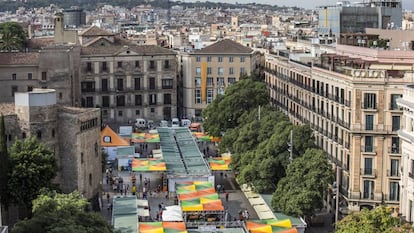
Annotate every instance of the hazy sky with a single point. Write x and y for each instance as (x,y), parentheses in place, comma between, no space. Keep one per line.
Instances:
(310,4)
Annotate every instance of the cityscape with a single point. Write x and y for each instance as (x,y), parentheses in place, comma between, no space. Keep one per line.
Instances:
(199,117)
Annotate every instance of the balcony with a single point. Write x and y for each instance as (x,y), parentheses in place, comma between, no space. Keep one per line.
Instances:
(369,172)
(368,106)
(393,173)
(395,107)
(395,150)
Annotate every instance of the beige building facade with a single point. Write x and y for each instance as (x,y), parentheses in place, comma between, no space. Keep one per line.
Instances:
(207,73)
(127,81)
(350,103)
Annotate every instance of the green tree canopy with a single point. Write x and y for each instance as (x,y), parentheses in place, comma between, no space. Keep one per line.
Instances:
(33,168)
(376,220)
(301,191)
(12,37)
(259,147)
(225,110)
(53,213)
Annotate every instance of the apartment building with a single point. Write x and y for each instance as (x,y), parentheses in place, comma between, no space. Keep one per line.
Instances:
(207,73)
(407,160)
(349,99)
(127,81)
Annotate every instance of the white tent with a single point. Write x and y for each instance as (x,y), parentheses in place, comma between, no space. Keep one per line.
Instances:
(172,214)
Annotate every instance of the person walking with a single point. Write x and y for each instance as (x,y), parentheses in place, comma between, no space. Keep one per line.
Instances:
(107,197)
(227,196)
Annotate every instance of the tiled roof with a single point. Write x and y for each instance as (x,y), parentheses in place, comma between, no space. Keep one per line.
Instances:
(38,43)
(225,47)
(19,58)
(95,31)
(7,109)
(112,50)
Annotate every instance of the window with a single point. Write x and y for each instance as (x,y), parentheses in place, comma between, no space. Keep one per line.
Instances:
(231,80)
(120,101)
(209,59)
(104,83)
(231,59)
(96,148)
(39,134)
(242,71)
(393,105)
(152,65)
(29,88)
(220,71)
(89,66)
(210,81)
(120,64)
(368,166)
(13,90)
(29,76)
(24,135)
(231,70)
(53,133)
(152,99)
(137,84)
(395,165)
(138,100)
(137,112)
(104,66)
(14,76)
(198,70)
(197,81)
(242,59)
(395,123)
(370,101)
(209,95)
(90,179)
(198,59)
(369,122)
(136,64)
(120,113)
(152,83)
(120,84)
(152,110)
(368,189)
(167,98)
(166,64)
(105,101)
(89,102)
(209,70)
(167,83)
(60,95)
(44,76)
(88,86)
(220,82)
(395,145)
(394,191)
(369,142)
(198,96)
(220,59)
(81,157)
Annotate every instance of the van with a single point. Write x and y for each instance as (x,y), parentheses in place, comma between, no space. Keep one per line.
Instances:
(164,123)
(175,122)
(140,123)
(185,123)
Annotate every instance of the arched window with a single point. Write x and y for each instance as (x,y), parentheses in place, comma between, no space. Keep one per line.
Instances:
(39,134)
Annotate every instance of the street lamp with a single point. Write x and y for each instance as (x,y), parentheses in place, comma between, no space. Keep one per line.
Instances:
(290,149)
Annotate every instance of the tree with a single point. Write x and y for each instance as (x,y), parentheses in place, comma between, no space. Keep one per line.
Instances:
(12,37)
(259,147)
(53,212)
(33,168)
(380,219)
(225,110)
(301,191)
